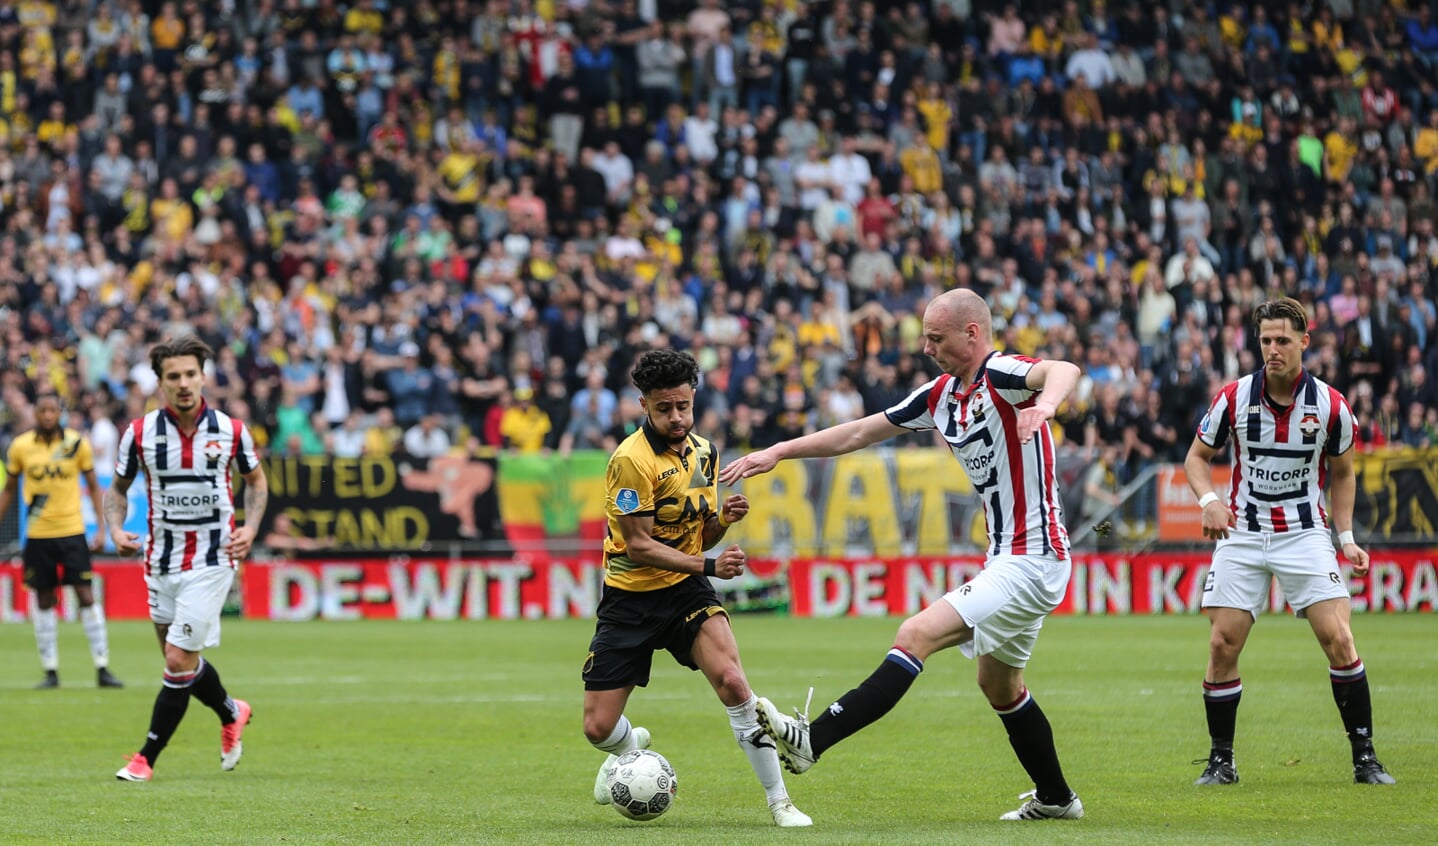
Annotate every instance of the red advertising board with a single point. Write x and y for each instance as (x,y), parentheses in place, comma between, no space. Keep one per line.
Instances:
(1148,583)
(120,585)
(417,589)
(517,588)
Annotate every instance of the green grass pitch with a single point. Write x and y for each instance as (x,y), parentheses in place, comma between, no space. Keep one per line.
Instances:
(416,733)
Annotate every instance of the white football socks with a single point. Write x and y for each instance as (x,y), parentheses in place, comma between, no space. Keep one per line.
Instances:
(93,619)
(758,748)
(47,624)
(621,740)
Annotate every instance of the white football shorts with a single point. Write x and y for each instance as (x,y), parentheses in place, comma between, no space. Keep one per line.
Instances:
(1006,604)
(1244,563)
(190,603)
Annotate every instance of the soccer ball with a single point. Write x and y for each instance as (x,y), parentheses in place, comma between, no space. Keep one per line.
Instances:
(641,785)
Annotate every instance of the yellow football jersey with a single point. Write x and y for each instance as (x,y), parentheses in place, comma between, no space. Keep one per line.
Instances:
(646,477)
(49,475)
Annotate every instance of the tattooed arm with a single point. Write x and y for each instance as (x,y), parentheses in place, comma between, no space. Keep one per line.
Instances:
(257,498)
(117,507)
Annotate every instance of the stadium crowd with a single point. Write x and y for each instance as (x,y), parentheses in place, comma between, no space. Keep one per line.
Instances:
(453,224)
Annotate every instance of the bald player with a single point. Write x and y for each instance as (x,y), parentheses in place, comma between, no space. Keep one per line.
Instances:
(993,410)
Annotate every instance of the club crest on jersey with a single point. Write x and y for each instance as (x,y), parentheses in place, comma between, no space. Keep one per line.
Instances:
(1309,424)
(626,500)
(213,450)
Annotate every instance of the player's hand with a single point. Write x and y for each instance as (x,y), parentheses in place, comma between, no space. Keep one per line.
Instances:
(98,544)
(730,562)
(126,543)
(1032,419)
(735,508)
(750,465)
(1358,557)
(241,540)
(1217,520)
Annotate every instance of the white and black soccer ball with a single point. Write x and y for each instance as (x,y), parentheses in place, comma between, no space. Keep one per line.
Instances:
(641,785)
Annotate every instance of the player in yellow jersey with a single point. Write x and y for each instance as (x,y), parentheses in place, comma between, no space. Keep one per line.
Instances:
(664,511)
(51,459)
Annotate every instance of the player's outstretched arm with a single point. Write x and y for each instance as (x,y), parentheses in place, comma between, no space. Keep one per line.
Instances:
(836,440)
(1343,491)
(1054,380)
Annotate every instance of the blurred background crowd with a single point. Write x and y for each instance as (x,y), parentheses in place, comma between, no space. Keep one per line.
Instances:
(451,225)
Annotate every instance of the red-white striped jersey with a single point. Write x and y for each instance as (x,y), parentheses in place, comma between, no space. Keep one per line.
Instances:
(1015,481)
(192,503)
(1280,454)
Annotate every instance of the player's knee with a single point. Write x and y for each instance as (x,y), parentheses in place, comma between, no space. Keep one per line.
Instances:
(1338,646)
(179,662)
(913,639)
(1001,690)
(1224,645)
(598,727)
(731,685)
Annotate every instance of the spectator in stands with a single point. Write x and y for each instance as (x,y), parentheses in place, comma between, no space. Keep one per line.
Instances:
(428,438)
(409,386)
(523,426)
(348,441)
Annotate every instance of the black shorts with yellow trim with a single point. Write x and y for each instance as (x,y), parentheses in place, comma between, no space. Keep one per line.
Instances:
(51,562)
(633,625)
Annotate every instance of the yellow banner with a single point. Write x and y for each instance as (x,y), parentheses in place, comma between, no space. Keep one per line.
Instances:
(884,502)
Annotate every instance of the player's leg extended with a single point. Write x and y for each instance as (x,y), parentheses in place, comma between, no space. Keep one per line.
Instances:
(716,653)
(1228,630)
(937,627)
(1032,739)
(1332,625)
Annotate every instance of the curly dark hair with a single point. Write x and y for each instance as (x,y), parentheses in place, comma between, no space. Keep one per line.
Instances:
(661,369)
(177,347)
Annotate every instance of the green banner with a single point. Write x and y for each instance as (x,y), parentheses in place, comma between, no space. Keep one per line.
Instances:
(543,497)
